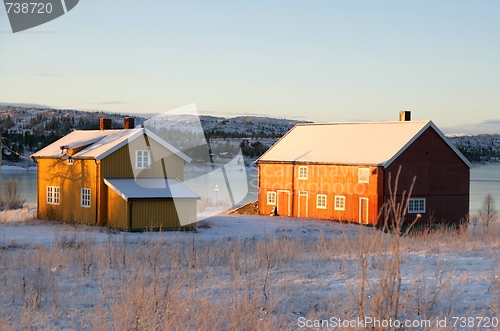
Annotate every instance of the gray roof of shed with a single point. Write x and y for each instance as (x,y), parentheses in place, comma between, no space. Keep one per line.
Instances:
(150,188)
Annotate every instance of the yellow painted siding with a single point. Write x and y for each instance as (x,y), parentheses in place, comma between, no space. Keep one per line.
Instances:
(102,196)
(121,163)
(70,179)
(162,214)
(107,207)
(117,211)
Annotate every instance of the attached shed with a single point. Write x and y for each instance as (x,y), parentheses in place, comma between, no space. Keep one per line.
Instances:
(151,203)
(340,171)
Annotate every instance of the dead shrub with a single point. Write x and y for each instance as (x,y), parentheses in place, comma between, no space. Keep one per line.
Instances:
(10,198)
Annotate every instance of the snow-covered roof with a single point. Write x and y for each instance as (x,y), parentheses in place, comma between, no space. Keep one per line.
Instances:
(362,143)
(151,188)
(100,143)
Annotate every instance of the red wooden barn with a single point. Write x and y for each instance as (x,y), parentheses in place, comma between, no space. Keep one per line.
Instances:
(339,171)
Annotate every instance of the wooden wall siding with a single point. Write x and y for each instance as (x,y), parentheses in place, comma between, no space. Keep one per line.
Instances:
(273,177)
(70,179)
(441,177)
(161,214)
(102,195)
(438,169)
(117,214)
(121,165)
(322,179)
(112,209)
(440,209)
(447,209)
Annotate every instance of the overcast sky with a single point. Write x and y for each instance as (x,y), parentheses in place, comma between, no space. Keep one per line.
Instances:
(324,61)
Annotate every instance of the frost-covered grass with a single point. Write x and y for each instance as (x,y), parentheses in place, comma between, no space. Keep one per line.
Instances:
(240,273)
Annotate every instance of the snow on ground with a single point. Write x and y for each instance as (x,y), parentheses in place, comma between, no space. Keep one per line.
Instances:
(310,276)
(22,227)
(17,168)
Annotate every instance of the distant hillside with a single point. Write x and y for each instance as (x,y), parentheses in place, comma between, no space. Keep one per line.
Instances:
(479,148)
(246,127)
(26,130)
(30,129)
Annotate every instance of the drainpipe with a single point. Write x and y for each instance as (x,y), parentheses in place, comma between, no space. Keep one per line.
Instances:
(293,189)
(97,175)
(130,216)
(38,190)
(259,187)
(384,182)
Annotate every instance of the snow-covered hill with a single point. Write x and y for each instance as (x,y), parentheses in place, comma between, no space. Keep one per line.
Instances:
(26,130)
(478,148)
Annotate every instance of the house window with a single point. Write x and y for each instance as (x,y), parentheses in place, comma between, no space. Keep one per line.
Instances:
(70,162)
(363,175)
(53,194)
(271,198)
(303,172)
(321,201)
(339,202)
(85,197)
(142,159)
(416,205)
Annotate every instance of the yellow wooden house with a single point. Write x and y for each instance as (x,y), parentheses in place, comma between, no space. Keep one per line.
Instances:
(130,179)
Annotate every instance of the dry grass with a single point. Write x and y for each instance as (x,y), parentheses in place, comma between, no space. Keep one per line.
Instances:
(234,284)
(250,284)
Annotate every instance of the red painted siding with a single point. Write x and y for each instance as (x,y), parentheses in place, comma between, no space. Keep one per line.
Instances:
(327,181)
(442,178)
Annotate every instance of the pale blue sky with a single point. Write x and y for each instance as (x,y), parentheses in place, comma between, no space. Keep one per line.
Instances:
(317,60)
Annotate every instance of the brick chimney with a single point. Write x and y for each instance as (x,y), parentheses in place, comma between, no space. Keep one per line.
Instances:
(105,124)
(128,123)
(405,116)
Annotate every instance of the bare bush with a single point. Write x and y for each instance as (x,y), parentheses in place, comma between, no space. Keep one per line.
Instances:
(204,203)
(178,281)
(380,296)
(207,202)
(488,212)
(10,197)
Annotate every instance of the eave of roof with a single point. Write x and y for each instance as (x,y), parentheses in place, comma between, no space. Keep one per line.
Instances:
(123,137)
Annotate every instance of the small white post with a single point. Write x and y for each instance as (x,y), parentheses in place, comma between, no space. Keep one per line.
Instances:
(216,189)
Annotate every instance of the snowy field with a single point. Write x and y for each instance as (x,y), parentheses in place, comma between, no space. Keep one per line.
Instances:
(244,273)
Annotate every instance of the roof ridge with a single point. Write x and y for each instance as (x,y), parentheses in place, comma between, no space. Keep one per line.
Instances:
(351,123)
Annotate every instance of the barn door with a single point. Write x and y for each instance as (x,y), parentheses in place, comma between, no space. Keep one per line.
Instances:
(303,203)
(363,210)
(283,203)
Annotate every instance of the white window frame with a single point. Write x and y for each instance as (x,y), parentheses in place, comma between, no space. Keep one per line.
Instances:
(53,194)
(70,162)
(417,205)
(363,175)
(142,155)
(303,172)
(271,198)
(321,200)
(85,195)
(339,202)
